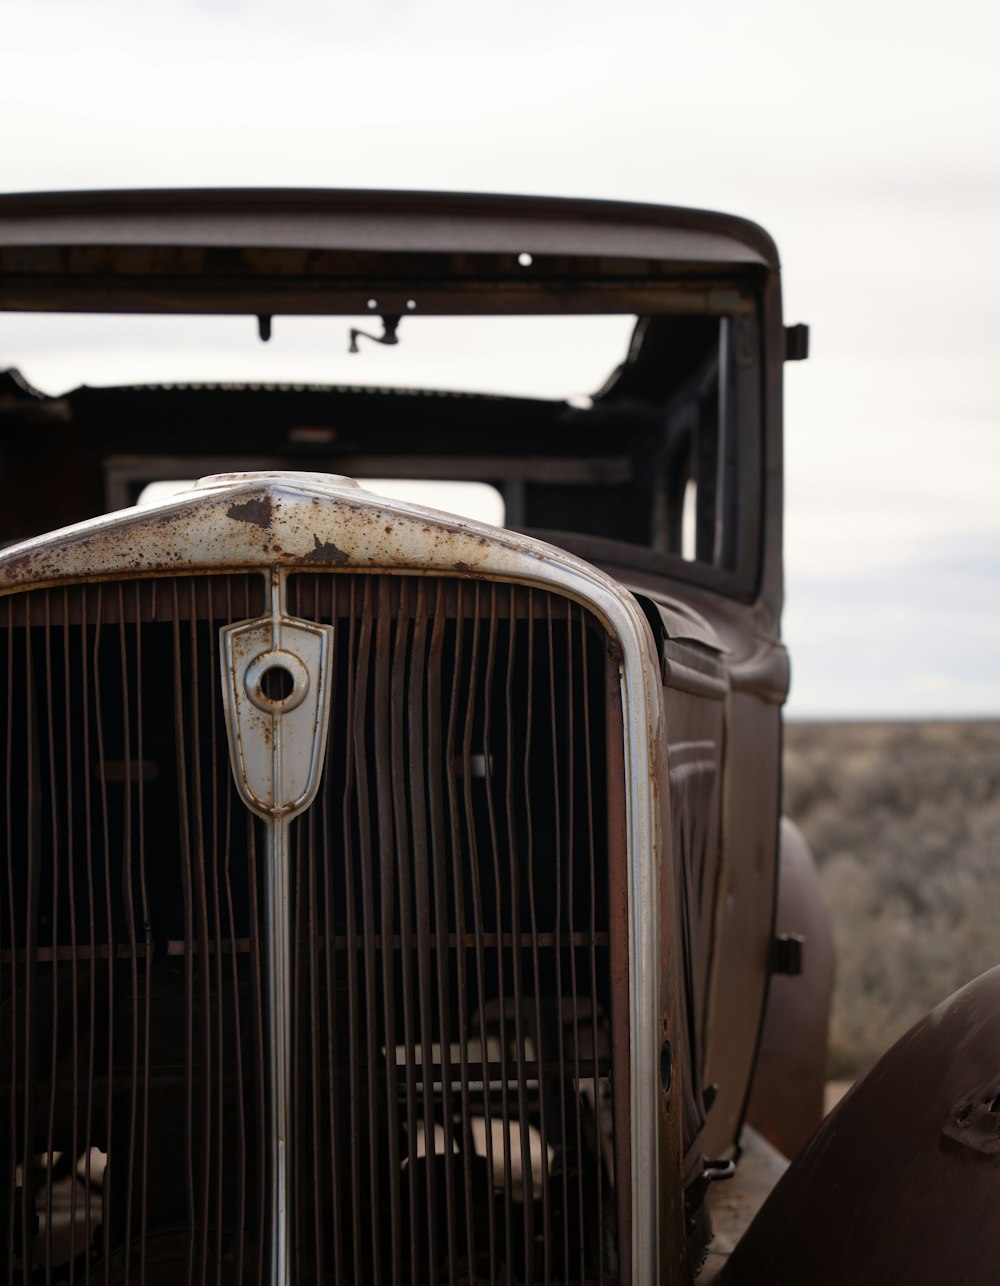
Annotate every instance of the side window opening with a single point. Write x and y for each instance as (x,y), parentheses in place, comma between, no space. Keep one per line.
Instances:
(692,443)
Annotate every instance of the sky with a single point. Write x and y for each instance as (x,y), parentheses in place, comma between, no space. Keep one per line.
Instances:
(864,136)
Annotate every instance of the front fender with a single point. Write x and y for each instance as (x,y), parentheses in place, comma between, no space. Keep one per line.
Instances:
(786,1104)
(901,1183)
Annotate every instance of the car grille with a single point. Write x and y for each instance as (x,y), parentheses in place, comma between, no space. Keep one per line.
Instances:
(459,976)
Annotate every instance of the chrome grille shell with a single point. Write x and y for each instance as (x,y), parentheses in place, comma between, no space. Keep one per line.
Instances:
(311,522)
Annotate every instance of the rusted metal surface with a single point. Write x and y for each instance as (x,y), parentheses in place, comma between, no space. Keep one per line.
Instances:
(420,1005)
(124,842)
(695,690)
(896,1184)
(376,221)
(286,519)
(277,699)
(786,1104)
(746,912)
(308,521)
(277,739)
(483,1064)
(529,1085)
(619,958)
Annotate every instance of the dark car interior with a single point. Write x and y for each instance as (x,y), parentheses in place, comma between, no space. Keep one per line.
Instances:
(649,460)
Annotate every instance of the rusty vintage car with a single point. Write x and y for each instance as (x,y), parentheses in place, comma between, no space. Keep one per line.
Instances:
(395,896)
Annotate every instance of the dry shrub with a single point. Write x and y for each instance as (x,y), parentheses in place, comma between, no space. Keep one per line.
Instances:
(904,821)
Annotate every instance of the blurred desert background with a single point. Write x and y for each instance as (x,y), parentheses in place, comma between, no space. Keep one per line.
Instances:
(904,821)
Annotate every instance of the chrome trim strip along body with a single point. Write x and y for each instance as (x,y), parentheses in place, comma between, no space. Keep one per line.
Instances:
(316,521)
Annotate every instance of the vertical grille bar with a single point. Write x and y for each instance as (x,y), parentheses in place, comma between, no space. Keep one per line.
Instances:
(10,1142)
(54,817)
(391,840)
(147,935)
(71,867)
(311,946)
(299,948)
(463,990)
(30,972)
(472,858)
(592,950)
(105,851)
(92,970)
(415,772)
(520,1026)
(535,963)
(355,1056)
(571,951)
(9,1158)
(218,857)
(260,1053)
(487,753)
(204,962)
(333,970)
(615,774)
(133,963)
(558,952)
(185,870)
(369,946)
(439,858)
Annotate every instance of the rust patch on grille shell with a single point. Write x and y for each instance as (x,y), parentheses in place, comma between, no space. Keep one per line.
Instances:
(327,552)
(256,510)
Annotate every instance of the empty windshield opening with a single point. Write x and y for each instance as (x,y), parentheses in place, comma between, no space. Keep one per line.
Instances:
(561,357)
(591,431)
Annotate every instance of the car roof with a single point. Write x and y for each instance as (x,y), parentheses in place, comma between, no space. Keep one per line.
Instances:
(380,220)
(89,250)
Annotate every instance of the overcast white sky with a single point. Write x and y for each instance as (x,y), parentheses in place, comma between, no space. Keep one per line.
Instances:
(864,136)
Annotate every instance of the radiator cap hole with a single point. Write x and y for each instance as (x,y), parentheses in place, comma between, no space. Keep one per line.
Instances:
(276,682)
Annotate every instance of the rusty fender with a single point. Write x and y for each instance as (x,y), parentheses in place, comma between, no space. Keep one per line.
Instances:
(901,1183)
(786,1104)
